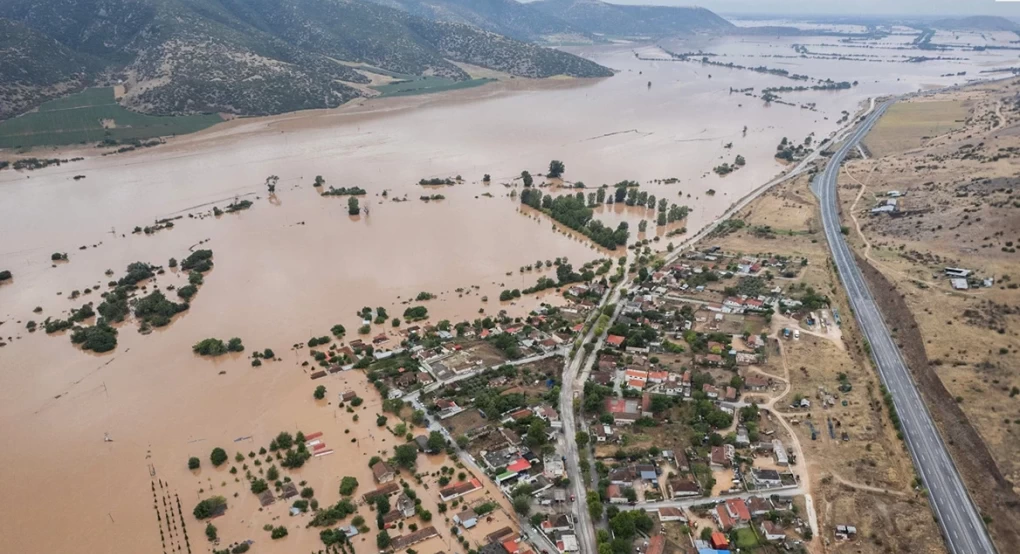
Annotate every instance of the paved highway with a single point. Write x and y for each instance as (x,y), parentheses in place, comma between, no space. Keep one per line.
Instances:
(961,524)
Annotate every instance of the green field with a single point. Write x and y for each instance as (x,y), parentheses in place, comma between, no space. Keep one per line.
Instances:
(78,118)
(425,85)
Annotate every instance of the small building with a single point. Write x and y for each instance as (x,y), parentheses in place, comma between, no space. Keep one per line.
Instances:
(615,341)
(779,452)
(266,498)
(460,489)
(615,495)
(721,456)
(772,531)
(683,487)
(382,472)
(959,284)
(672,514)
(466,519)
(647,472)
(719,541)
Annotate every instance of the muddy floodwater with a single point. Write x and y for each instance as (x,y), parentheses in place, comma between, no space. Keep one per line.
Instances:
(294,265)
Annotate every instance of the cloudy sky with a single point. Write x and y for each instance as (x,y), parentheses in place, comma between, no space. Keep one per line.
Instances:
(850,7)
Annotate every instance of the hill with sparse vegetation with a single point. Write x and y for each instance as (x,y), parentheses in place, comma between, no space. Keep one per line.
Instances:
(615,20)
(249,57)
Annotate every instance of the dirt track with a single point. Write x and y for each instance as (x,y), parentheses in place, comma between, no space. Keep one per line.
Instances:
(992,492)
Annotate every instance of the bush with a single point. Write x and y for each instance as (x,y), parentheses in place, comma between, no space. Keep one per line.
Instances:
(320,392)
(278,532)
(5,275)
(218,456)
(210,532)
(234,345)
(194,463)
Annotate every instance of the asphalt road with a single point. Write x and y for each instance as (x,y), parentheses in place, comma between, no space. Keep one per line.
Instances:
(959,519)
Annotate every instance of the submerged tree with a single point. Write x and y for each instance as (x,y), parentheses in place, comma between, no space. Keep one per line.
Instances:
(352,206)
(556,169)
(271,183)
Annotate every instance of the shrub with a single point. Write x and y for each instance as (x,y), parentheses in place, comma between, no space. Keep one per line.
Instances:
(5,275)
(234,345)
(194,463)
(278,532)
(320,392)
(210,532)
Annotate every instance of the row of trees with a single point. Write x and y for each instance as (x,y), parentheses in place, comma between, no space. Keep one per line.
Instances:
(570,210)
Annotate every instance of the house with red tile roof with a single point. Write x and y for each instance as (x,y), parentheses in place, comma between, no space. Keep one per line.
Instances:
(737,510)
(615,340)
(719,541)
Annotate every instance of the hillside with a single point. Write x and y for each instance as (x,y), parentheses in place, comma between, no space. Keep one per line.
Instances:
(977,23)
(34,67)
(505,17)
(252,56)
(633,21)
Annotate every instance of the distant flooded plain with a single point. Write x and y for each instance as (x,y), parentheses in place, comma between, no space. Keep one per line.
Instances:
(292,266)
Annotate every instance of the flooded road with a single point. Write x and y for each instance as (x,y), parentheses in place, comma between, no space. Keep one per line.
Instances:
(291,267)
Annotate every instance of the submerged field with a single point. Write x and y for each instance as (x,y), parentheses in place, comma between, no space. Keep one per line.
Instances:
(425,85)
(92,115)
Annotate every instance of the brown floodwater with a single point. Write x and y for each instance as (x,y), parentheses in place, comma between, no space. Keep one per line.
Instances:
(294,265)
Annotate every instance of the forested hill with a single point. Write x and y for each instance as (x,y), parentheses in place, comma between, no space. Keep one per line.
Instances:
(615,20)
(241,56)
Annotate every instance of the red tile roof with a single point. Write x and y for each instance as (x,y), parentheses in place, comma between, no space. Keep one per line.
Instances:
(615,340)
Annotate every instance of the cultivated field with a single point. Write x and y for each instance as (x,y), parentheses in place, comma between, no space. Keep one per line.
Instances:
(92,115)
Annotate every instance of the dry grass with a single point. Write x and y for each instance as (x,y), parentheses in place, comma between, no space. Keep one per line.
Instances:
(874,456)
(906,125)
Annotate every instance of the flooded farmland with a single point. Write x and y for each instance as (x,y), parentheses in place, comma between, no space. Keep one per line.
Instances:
(295,264)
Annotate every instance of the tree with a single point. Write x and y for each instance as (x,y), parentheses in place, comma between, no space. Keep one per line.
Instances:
(218,456)
(209,507)
(526,177)
(382,540)
(348,485)
(352,206)
(210,532)
(319,181)
(259,486)
(436,441)
(406,455)
(462,442)
(556,169)
(234,345)
(271,183)
(278,532)
(486,178)
(320,392)
(194,463)
(582,439)
(272,474)
(522,504)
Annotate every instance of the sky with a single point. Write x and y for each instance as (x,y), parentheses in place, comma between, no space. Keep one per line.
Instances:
(849,7)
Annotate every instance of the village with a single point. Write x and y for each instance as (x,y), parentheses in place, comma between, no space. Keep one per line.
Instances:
(686,414)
